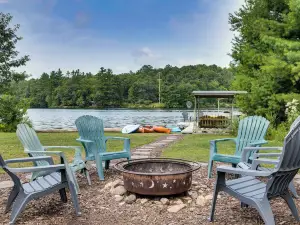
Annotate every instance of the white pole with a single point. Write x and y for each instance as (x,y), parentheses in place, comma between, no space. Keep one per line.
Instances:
(159,87)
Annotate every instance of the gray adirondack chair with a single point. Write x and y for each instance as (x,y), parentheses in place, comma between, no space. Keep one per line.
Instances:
(256,193)
(251,132)
(91,132)
(57,180)
(33,147)
(263,158)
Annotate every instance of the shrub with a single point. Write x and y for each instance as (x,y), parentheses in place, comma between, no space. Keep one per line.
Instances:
(12,112)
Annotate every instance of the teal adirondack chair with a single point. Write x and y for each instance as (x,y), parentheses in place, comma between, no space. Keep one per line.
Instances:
(91,132)
(251,133)
(34,148)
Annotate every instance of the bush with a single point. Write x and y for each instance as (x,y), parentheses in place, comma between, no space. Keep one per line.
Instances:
(12,112)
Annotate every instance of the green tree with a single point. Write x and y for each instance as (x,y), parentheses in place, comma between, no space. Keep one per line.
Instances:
(266,56)
(8,53)
(12,108)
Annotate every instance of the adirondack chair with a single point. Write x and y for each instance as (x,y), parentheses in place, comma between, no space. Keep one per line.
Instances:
(57,180)
(262,158)
(33,147)
(256,193)
(91,132)
(251,132)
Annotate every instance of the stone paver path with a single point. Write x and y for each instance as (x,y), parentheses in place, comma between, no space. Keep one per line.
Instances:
(154,149)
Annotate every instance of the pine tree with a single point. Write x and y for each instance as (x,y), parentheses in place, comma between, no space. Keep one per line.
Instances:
(266,55)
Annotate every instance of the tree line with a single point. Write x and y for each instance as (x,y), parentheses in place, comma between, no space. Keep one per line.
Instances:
(104,89)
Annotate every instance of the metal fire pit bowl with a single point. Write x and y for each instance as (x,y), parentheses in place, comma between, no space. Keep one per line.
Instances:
(157,176)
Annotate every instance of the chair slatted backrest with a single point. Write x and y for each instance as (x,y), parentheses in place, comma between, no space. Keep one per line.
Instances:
(295,122)
(289,163)
(30,142)
(251,129)
(91,128)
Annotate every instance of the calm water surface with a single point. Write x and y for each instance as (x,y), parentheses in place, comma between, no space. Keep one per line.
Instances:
(47,119)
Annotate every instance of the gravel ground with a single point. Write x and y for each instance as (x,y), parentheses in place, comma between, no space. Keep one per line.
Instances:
(98,206)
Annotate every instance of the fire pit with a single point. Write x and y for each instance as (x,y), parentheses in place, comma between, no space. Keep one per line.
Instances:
(157,176)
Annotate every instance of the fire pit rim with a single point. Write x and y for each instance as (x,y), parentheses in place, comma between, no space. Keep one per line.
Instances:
(193,166)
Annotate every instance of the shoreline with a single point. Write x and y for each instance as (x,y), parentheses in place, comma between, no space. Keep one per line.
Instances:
(75,130)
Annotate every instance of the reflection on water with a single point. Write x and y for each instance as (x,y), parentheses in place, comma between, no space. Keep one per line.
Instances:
(47,119)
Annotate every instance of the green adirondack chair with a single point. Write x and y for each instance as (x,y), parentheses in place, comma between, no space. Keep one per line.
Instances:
(91,132)
(251,133)
(34,148)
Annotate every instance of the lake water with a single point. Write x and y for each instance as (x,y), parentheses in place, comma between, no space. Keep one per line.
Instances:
(47,119)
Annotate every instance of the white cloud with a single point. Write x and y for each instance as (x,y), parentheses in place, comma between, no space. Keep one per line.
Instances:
(206,35)
(54,43)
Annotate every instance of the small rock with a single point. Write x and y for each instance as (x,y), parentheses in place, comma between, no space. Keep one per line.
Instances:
(108,185)
(193,194)
(165,201)
(209,197)
(130,198)
(118,198)
(189,201)
(144,200)
(6,184)
(122,203)
(28,176)
(177,202)
(176,208)
(117,183)
(186,198)
(192,209)
(200,191)
(201,200)
(195,183)
(120,190)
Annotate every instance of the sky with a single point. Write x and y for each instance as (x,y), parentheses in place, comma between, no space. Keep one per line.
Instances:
(122,35)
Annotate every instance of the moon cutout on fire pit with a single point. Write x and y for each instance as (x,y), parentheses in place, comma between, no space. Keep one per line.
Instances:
(152,184)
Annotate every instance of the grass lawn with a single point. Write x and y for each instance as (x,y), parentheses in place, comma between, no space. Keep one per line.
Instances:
(10,146)
(195,147)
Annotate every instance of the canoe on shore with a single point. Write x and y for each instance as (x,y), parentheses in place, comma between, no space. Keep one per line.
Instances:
(153,129)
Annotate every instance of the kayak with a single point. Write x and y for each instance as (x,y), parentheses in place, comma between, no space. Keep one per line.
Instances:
(130,129)
(174,129)
(162,130)
(148,130)
(145,129)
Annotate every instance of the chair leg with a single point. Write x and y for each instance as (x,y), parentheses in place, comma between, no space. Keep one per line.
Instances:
(265,211)
(107,164)
(214,201)
(99,168)
(219,181)
(87,174)
(210,166)
(12,196)
(74,198)
(289,200)
(63,195)
(293,189)
(18,207)
(74,180)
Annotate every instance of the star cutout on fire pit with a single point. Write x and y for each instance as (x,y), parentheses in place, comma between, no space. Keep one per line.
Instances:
(165,185)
